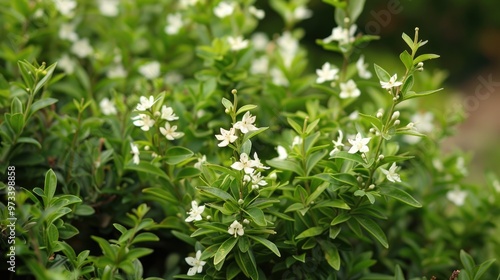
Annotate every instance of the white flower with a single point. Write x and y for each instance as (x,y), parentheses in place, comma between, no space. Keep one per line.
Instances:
(326,73)
(391,173)
(349,90)
(456,196)
(259,41)
(167,113)
(391,83)
(363,68)
(65,7)
(107,107)
(359,144)
(259,14)
(301,13)
(244,164)
(282,153)
(200,162)
(66,64)
(174,24)
(195,212)
(224,9)
(496,185)
(278,77)
(135,151)
(116,72)
(150,70)
(246,123)
(337,144)
(67,32)
(144,121)
(186,3)
(288,47)
(341,35)
(145,103)
(255,162)
(236,229)
(259,65)
(108,8)
(173,78)
(256,179)
(170,131)
(82,48)
(196,263)
(237,43)
(297,141)
(226,136)
(421,122)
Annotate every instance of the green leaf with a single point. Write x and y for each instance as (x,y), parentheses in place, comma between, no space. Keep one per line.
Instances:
(245,108)
(105,247)
(270,245)
(16,106)
(467,261)
(243,244)
(297,127)
(227,104)
(399,273)
(29,140)
(352,157)
(382,75)
(332,203)
(407,85)
(257,215)
(47,75)
(399,194)
(412,94)
(232,271)
(483,268)
(224,249)
(136,253)
(42,103)
(332,255)
(372,120)
(317,192)
(408,40)
(50,186)
(355,8)
(373,228)
(406,59)
(310,127)
(177,155)
(187,172)
(424,57)
(84,210)
(145,237)
(216,192)
(247,263)
(342,217)
(313,159)
(286,165)
(314,231)
(147,168)
(16,122)
(345,178)
(160,195)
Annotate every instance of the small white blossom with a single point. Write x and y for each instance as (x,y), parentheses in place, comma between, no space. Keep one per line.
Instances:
(456,196)
(259,41)
(66,64)
(363,68)
(359,144)
(145,103)
(107,107)
(224,9)
(244,164)
(237,43)
(144,121)
(200,162)
(135,152)
(259,14)
(187,3)
(256,179)
(65,7)
(421,122)
(82,48)
(260,65)
(288,47)
(67,32)
(391,174)
(174,23)
(297,141)
(170,131)
(349,90)
(167,113)
(337,145)
(116,72)
(326,73)
(226,136)
(341,35)
(246,124)
(108,8)
(236,229)
(301,13)
(255,162)
(195,212)
(391,83)
(282,153)
(196,263)
(278,77)
(150,70)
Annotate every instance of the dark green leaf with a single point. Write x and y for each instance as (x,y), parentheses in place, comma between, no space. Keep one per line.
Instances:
(467,261)
(373,228)
(50,187)
(224,249)
(257,215)
(216,192)
(270,245)
(399,194)
(314,231)
(147,168)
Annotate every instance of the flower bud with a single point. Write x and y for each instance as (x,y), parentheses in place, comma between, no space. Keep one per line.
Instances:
(380,114)
(157,114)
(371,187)
(246,221)
(397,122)
(410,125)
(234,91)
(381,157)
(395,115)
(209,217)
(240,201)
(146,148)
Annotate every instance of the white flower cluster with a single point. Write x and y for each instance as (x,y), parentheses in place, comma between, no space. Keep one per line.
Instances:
(244,126)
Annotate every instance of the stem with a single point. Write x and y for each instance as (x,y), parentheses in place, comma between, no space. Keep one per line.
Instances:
(73,144)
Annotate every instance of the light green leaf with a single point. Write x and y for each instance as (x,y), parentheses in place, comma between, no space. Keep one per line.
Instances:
(399,194)
(412,94)
(50,186)
(467,261)
(176,155)
(382,75)
(160,195)
(332,255)
(407,85)
(257,215)
(317,192)
(372,120)
(216,192)
(355,8)
(145,237)
(342,217)
(483,268)
(84,210)
(245,108)
(314,231)
(224,249)
(297,127)
(147,168)
(406,59)
(42,103)
(29,140)
(270,245)
(286,165)
(16,106)
(352,157)
(373,228)
(48,74)
(424,57)
(408,40)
